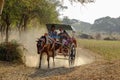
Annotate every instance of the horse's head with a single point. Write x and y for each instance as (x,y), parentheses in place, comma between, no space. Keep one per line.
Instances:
(40,43)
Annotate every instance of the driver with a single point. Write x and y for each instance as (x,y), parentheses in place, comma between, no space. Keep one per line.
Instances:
(52,36)
(53,33)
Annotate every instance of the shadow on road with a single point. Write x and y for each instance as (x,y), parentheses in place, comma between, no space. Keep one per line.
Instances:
(51,72)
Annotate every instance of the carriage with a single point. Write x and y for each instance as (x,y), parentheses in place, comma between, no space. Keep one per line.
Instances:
(68,49)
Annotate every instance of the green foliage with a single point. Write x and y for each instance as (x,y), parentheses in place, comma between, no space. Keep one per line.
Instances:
(11,52)
(22,11)
(19,13)
(82,1)
(108,49)
(12,10)
(47,12)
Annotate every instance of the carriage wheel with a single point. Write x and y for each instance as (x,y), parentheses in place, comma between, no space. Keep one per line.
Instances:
(72,55)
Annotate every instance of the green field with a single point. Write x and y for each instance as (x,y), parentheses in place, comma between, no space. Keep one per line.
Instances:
(110,50)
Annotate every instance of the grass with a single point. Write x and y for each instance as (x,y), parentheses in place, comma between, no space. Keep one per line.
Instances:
(110,50)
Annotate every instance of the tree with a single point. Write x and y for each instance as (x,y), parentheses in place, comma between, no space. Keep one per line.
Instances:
(11,15)
(1,6)
(81,1)
(21,12)
(66,20)
(42,10)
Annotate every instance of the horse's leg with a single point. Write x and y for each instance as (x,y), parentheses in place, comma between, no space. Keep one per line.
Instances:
(53,57)
(48,60)
(40,60)
(37,48)
(53,62)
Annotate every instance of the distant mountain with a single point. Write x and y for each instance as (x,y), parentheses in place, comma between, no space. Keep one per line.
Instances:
(78,25)
(82,27)
(66,20)
(106,24)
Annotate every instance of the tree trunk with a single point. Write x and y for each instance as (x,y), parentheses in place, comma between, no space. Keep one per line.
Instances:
(2,30)
(7,33)
(19,33)
(1,36)
(1,6)
(20,24)
(26,18)
(7,28)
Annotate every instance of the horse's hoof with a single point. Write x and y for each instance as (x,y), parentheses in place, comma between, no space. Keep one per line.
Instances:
(39,67)
(38,52)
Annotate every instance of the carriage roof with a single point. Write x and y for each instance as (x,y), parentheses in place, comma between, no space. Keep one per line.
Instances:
(57,26)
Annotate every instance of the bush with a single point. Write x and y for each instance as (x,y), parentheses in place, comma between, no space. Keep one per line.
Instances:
(108,38)
(86,36)
(11,51)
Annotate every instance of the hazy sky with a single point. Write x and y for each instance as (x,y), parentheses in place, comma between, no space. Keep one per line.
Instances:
(92,11)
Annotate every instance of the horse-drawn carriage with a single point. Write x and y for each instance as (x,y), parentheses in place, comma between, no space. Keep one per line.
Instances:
(64,43)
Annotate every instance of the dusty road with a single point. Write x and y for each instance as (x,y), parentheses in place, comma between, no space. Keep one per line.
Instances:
(82,57)
(93,68)
(10,71)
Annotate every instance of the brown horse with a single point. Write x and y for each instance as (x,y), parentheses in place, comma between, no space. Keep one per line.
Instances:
(42,47)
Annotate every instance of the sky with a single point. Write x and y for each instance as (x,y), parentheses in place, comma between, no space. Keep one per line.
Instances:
(92,11)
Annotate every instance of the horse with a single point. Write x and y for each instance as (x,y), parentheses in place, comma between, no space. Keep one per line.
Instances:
(49,49)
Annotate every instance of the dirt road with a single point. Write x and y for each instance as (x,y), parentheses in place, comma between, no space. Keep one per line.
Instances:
(10,71)
(93,68)
(83,57)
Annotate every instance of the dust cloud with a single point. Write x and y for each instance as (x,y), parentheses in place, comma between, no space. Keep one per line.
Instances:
(28,40)
(31,58)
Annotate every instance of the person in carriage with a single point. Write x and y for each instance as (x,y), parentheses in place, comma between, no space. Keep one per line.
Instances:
(63,39)
(51,37)
(53,33)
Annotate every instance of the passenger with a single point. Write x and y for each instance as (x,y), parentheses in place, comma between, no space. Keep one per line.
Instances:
(63,38)
(61,33)
(61,30)
(53,33)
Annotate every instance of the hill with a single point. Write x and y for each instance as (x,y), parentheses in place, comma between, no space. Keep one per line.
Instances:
(79,26)
(106,24)
(102,25)
(82,27)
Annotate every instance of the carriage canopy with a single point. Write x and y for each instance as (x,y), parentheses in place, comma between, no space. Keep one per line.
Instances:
(57,26)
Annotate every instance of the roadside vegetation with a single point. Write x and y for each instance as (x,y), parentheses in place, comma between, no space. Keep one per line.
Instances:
(110,50)
(11,52)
